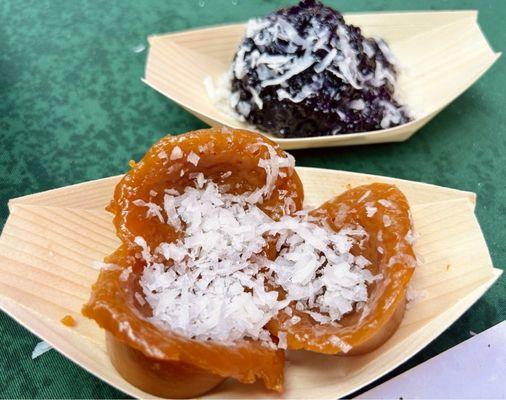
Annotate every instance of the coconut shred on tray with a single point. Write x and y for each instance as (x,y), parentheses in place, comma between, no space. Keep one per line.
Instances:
(213,282)
(302,71)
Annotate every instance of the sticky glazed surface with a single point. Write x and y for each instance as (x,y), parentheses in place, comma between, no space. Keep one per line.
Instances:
(388,246)
(113,303)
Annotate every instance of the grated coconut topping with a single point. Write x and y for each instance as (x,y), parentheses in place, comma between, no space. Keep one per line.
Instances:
(213,282)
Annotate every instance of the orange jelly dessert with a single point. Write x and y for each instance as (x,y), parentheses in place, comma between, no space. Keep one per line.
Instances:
(184,348)
(378,216)
(220,268)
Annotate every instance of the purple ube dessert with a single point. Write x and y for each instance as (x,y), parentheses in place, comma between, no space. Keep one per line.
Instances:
(301,71)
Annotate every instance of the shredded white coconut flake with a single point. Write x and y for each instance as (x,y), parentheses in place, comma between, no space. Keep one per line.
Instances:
(209,86)
(172,192)
(223,98)
(176,153)
(256,98)
(364,196)
(358,105)
(413,296)
(337,341)
(411,237)
(387,221)
(125,274)
(139,298)
(40,348)
(282,343)
(139,48)
(154,210)
(370,211)
(193,158)
(386,203)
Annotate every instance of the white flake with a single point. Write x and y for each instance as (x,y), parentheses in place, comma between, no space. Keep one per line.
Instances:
(387,221)
(125,274)
(343,346)
(282,343)
(370,211)
(193,158)
(40,348)
(154,210)
(176,153)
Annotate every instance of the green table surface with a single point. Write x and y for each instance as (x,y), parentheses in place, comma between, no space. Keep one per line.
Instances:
(73,108)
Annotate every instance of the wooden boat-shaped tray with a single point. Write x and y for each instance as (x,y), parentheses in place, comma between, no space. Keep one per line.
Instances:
(51,239)
(441,54)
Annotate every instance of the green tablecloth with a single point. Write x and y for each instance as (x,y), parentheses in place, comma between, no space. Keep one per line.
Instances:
(73,108)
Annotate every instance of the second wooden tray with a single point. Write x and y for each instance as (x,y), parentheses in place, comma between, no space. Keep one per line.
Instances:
(441,54)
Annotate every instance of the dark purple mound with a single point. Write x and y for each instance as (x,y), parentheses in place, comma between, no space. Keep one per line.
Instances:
(301,71)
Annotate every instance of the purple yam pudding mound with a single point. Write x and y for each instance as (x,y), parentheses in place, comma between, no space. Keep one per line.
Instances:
(301,71)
